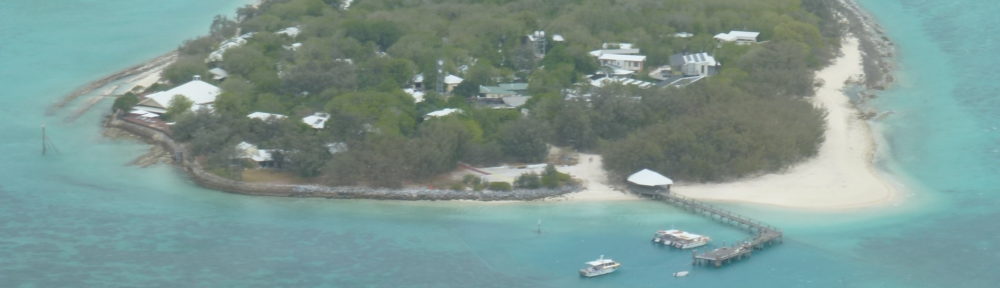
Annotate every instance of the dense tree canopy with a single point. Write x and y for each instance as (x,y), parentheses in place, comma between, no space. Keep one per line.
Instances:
(354,63)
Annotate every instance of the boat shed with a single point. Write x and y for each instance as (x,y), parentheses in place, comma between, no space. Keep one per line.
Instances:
(649,182)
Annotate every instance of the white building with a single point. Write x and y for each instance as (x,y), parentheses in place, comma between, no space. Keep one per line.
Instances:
(264,116)
(218,74)
(738,37)
(451,81)
(291,32)
(293,47)
(418,96)
(200,93)
(442,113)
(263,157)
(650,181)
(699,64)
(316,120)
(627,62)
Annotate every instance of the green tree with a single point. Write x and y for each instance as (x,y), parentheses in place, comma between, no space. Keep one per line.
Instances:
(184,69)
(499,186)
(523,140)
(125,102)
(528,181)
(382,33)
(178,105)
(550,178)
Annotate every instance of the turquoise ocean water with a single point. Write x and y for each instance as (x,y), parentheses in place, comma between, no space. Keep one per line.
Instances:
(80,218)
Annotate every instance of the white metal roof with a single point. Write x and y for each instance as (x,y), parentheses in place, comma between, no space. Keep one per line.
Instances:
(418,96)
(738,35)
(725,37)
(219,73)
(598,53)
(647,177)
(265,116)
(558,38)
(620,57)
(745,34)
(199,92)
(250,151)
(452,79)
(290,32)
(144,113)
(701,58)
(443,112)
(683,35)
(316,120)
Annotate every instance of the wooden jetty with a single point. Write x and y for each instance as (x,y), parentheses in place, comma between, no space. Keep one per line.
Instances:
(763,235)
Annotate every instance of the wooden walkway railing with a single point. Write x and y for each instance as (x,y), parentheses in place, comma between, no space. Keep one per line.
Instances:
(764,235)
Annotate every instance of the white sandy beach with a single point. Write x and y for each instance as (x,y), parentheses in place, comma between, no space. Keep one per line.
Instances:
(841,176)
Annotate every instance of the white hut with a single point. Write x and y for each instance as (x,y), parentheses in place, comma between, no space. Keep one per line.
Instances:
(649,182)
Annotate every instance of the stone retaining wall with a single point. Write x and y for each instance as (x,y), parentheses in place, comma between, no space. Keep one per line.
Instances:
(212,181)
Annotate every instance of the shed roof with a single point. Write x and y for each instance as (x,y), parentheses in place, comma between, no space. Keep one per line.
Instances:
(620,57)
(290,32)
(199,92)
(218,73)
(418,96)
(250,151)
(452,80)
(443,112)
(744,34)
(316,120)
(496,90)
(514,86)
(702,57)
(648,177)
(265,116)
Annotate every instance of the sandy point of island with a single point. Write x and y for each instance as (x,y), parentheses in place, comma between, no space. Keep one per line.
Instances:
(841,176)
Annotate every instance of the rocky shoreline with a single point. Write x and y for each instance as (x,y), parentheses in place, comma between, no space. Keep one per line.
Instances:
(876,48)
(212,181)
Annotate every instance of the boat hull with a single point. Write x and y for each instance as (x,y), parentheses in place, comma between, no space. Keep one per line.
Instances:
(594,273)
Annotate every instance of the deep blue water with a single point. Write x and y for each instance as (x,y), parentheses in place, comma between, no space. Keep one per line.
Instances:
(81,218)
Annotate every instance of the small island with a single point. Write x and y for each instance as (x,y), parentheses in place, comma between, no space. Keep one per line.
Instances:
(326,99)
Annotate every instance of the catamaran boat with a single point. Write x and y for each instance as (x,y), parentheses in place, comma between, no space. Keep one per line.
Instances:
(600,267)
(680,239)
